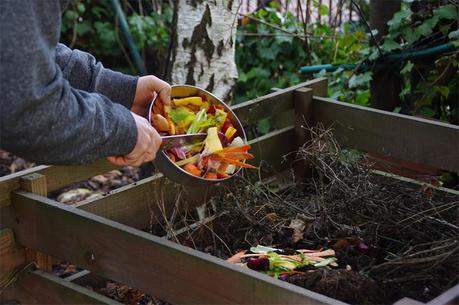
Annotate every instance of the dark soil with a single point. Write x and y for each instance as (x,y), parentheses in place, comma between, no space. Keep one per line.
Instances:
(345,285)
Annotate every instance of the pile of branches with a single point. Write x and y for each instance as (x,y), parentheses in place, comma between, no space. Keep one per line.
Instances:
(412,231)
(402,235)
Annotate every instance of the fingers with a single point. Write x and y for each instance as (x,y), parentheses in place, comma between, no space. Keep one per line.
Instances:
(127,161)
(162,88)
(117,160)
(165,94)
(147,145)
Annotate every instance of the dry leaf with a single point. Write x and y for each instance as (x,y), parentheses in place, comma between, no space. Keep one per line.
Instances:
(298,226)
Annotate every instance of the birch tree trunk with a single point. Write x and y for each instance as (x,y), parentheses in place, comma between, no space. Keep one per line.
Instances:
(203,45)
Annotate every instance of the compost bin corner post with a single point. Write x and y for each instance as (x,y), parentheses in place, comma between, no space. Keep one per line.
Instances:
(36,184)
(302,100)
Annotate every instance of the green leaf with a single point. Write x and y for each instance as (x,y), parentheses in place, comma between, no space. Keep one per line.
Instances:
(257,72)
(448,11)
(443,90)
(242,76)
(447,177)
(282,37)
(398,18)
(267,53)
(407,68)
(426,28)
(454,35)
(427,111)
(83,28)
(325,262)
(390,45)
(72,15)
(423,30)
(264,126)
(182,117)
(359,79)
(374,54)
(404,92)
(407,32)
(323,10)
(363,98)
(81,8)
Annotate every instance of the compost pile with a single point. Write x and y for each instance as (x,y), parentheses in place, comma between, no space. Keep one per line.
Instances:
(9,163)
(392,239)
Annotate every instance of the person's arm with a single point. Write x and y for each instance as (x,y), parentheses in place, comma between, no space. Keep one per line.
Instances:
(42,118)
(84,72)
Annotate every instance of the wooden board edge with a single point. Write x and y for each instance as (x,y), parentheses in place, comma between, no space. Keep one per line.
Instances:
(38,287)
(391,134)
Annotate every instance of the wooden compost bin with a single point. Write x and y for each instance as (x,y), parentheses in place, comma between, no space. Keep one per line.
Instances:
(103,235)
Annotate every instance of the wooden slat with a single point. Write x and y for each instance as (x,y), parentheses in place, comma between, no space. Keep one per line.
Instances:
(12,257)
(404,137)
(270,149)
(407,301)
(274,103)
(130,205)
(38,287)
(416,182)
(87,278)
(57,177)
(172,272)
(303,118)
(449,297)
(36,183)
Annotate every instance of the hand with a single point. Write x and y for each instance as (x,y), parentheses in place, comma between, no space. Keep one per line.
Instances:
(147,86)
(148,143)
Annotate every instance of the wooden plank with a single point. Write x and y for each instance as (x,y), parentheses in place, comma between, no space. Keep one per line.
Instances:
(274,103)
(38,287)
(303,118)
(11,256)
(416,182)
(76,276)
(57,176)
(407,301)
(159,267)
(87,278)
(449,297)
(132,204)
(270,149)
(404,137)
(36,183)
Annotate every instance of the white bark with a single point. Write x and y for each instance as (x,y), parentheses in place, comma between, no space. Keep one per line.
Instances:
(204,50)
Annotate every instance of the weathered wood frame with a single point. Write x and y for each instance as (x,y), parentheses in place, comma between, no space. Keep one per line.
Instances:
(104,235)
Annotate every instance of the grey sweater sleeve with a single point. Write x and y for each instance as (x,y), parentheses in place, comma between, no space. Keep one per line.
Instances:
(42,117)
(83,72)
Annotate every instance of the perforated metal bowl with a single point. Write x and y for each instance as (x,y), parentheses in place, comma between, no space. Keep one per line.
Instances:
(169,168)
